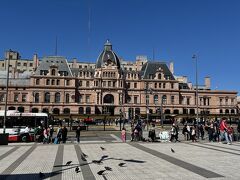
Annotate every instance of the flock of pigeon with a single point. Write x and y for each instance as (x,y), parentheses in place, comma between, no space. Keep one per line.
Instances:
(84,156)
(100,161)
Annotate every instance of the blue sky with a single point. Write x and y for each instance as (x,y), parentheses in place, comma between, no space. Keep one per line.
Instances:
(175,29)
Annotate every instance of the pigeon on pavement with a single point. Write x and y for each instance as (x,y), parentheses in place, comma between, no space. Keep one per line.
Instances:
(172,150)
(121,164)
(69,162)
(102,148)
(101,172)
(108,168)
(77,169)
(84,155)
(83,158)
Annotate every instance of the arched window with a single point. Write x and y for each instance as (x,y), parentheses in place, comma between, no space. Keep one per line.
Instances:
(67,98)
(20,109)
(57,97)
(176,111)
(88,110)
(36,98)
(232,111)
(81,110)
(226,111)
(56,111)
(167,111)
(53,72)
(221,111)
(11,108)
(47,97)
(192,111)
(45,110)
(159,76)
(66,111)
(155,99)
(53,82)
(35,110)
(164,99)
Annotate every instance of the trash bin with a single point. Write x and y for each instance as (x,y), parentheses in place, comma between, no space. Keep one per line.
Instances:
(4,139)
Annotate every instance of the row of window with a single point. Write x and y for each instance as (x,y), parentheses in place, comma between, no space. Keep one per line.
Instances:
(226,102)
(52,82)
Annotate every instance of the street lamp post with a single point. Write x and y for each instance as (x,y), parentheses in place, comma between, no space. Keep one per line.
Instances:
(6,99)
(147,103)
(195,57)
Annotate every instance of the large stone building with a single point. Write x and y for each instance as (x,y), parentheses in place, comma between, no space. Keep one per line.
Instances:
(110,86)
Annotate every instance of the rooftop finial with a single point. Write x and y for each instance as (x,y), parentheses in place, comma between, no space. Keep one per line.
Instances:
(108,45)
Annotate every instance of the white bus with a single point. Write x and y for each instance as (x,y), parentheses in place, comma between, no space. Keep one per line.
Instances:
(17,123)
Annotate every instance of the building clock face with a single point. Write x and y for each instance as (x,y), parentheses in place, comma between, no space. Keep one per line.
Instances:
(108,61)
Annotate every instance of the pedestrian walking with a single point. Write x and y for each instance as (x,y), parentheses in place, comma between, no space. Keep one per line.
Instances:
(223,130)
(64,134)
(78,133)
(193,134)
(59,135)
(123,134)
(45,135)
(211,132)
(51,130)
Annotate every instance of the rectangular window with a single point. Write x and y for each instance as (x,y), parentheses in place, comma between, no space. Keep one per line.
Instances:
(147,99)
(226,101)
(37,81)
(114,83)
(58,82)
(97,83)
(15,97)
(172,99)
(67,82)
(24,97)
(160,85)
(47,82)
(164,85)
(135,99)
(19,64)
(220,100)
(31,64)
(155,85)
(172,86)
(109,83)
(87,99)
(188,101)
(104,83)
(135,85)
(87,84)
(24,64)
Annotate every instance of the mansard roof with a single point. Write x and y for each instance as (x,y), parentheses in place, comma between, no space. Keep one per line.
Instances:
(58,61)
(150,68)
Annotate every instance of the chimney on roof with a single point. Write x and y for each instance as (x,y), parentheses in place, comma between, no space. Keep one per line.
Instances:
(207,82)
(190,85)
(35,62)
(171,67)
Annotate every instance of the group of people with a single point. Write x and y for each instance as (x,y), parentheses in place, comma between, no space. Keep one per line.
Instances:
(218,131)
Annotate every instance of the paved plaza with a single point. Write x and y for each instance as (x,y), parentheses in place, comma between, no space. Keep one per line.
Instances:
(143,161)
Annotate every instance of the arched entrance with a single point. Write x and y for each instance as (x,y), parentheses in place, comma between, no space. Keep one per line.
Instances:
(109,98)
(108,109)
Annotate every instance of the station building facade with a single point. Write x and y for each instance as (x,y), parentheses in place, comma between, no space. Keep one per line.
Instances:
(111,86)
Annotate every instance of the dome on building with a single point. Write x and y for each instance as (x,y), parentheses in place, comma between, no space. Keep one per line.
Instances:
(107,57)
